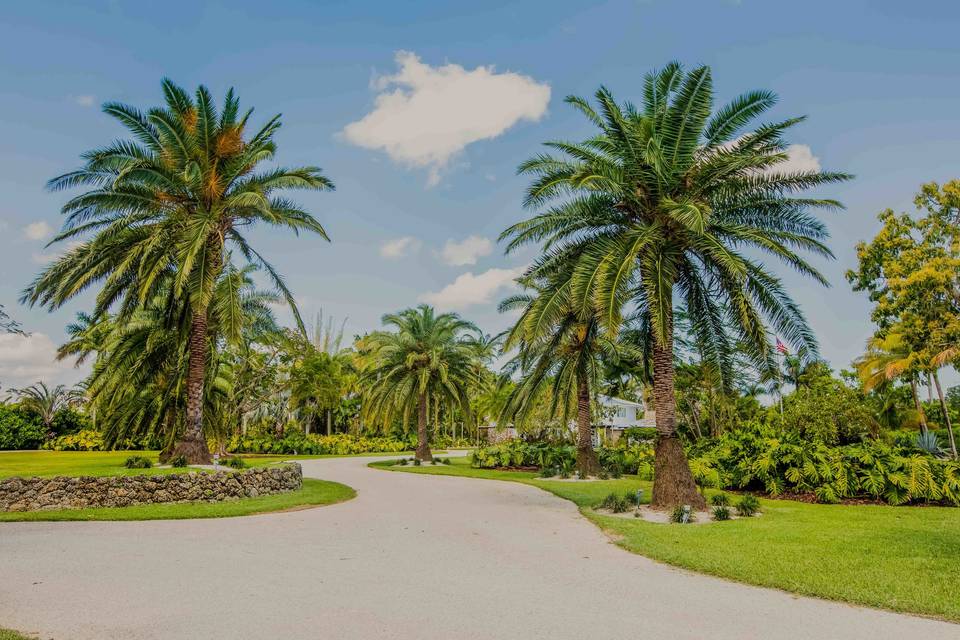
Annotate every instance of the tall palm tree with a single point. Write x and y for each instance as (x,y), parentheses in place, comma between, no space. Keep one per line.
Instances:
(46,401)
(658,210)
(171,201)
(561,346)
(427,358)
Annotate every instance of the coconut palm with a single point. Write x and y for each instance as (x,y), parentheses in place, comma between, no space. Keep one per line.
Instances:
(46,401)
(171,201)
(427,358)
(659,210)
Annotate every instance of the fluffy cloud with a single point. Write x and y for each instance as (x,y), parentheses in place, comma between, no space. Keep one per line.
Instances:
(85,100)
(399,247)
(799,158)
(424,116)
(466,251)
(27,359)
(37,230)
(469,289)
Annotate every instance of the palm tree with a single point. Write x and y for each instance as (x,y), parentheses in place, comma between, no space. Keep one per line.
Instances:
(47,402)
(169,202)
(428,358)
(561,347)
(656,209)
(888,357)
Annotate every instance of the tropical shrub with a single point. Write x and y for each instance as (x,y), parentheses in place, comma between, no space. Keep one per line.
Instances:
(748,506)
(761,457)
(86,440)
(178,462)
(720,500)
(615,502)
(138,462)
(19,429)
(294,440)
(235,462)
(720,512)
(680,512)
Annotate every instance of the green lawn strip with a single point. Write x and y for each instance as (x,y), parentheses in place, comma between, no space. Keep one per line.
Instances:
(314,493)
(9,634)
(899,558)
(110,463)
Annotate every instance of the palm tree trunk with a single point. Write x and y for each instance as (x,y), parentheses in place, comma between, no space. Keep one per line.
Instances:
(329,422)
(916,403)
(673,483)
(587,462)
(423,447)
(192,445)
(946,415)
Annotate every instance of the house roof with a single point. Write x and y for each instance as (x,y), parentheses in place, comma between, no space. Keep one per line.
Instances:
(627,403)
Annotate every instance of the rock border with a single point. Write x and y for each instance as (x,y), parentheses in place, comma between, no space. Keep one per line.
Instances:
(65,492)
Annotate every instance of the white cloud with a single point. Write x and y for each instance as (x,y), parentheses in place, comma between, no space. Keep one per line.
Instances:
(469,289)
(799,158)
(37,230)
(84,100)
(466,251)
(425,115)
(399,247)
(27,359)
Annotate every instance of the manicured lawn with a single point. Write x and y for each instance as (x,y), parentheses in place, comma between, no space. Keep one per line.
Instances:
(7,634)
(314,493)
(899,558)
(109,463)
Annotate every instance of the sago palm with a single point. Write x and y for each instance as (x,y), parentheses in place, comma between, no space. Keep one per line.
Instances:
(668,205)
(429,357)
(173,199)
(46,401)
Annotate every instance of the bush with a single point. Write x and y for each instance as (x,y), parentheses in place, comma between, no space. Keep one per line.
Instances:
(445,461)
(19,429)
(294,440)
(417,462)
(67,421)
(748,506)
(762,457)
(138,462)
(86,440)
(235,462)
(681,512)
(721,512)
(719,499)
(615,502)
(179,462)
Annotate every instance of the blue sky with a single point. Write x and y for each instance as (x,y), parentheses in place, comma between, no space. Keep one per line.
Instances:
(878,81)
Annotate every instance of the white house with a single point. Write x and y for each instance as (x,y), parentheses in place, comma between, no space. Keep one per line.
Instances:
(615,415)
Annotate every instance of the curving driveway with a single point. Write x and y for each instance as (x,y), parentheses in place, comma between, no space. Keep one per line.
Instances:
(412,557)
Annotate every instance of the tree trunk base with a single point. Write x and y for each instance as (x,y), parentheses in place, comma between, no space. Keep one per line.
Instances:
(673,483)
(587,462)
(194,450)
(423,453)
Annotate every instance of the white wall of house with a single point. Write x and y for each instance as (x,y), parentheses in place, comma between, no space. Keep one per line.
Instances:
(620,413)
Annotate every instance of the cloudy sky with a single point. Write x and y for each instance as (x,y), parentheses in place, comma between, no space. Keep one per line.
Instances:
(421,111)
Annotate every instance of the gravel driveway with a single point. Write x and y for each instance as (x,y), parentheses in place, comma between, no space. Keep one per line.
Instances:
(412,557)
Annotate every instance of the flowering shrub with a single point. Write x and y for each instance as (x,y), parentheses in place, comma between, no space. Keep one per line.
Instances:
(313,444)
(86,440)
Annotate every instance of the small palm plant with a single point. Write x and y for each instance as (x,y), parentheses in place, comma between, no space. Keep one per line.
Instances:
(47,402)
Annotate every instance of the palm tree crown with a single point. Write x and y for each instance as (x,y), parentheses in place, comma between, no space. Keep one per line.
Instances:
(429,357)
(667,204)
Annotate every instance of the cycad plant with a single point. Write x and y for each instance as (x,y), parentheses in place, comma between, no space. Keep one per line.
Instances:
(428,357)
(170,201)
(670,204)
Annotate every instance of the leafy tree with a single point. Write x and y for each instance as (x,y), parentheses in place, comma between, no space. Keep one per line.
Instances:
(910,271)
(428,356)
(887,359)
(658,210)
(164,207)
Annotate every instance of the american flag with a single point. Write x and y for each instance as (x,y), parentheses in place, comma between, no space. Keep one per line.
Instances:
(782,348)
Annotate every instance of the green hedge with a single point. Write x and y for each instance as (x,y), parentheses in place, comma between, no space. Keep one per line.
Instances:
(19,429)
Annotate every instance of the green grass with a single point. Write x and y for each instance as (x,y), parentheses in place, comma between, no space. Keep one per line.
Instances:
(110,463)
(8,634)
(314,493)
(899,558)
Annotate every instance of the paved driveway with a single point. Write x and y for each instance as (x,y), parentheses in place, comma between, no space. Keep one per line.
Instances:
(412,557)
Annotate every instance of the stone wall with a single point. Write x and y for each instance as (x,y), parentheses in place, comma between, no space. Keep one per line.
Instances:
(61,492)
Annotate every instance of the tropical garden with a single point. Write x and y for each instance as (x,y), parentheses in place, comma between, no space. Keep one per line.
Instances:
(658,239)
